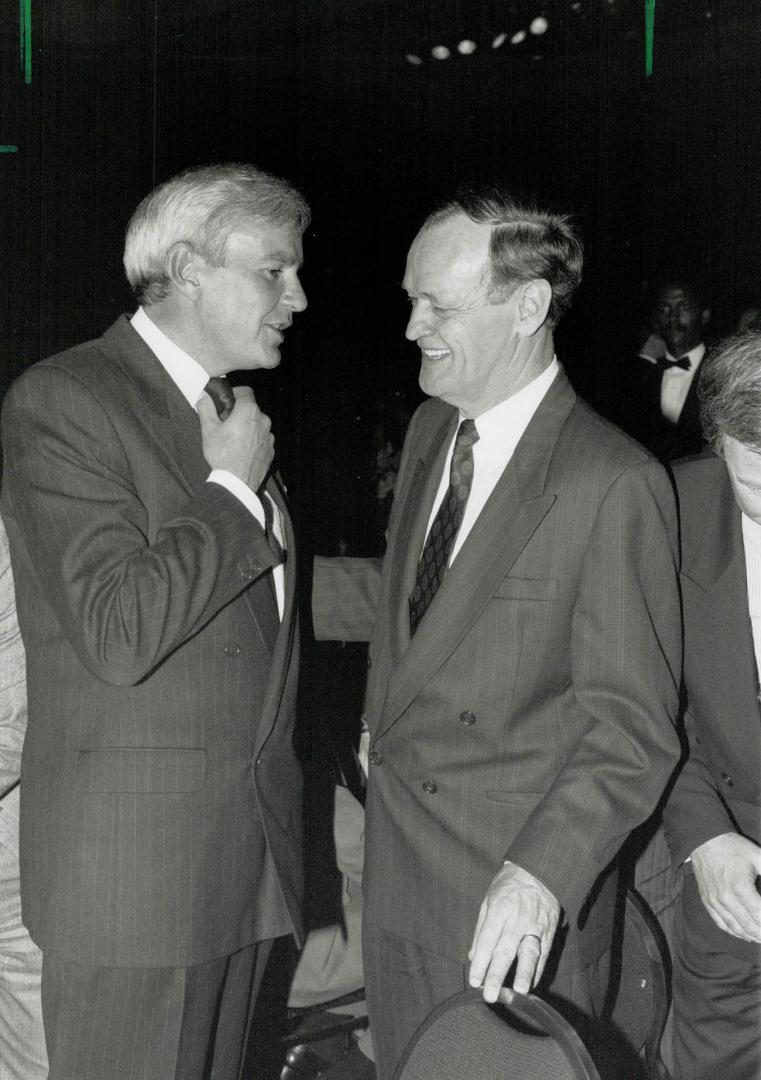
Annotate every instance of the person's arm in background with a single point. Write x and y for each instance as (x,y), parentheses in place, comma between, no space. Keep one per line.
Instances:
(12,677)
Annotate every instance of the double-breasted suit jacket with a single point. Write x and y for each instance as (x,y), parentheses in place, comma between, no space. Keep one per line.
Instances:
(531,715)
(160,792)
(719,788)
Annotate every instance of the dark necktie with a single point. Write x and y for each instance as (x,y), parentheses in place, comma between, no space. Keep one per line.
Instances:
(221,393)
(666,365)
(438,547)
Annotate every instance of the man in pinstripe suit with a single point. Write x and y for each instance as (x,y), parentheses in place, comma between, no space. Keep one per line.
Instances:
(521,717)
(160,816)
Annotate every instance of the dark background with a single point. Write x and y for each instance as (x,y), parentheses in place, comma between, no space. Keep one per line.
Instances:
(659,170)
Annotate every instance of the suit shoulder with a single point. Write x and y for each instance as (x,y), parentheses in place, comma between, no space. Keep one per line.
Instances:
(89,366)
(694,474)
(428,416)
(702,485)
(603,440)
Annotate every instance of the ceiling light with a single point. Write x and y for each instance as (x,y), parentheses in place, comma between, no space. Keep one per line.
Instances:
(440,52)
(500,39)
(465,48)
(539,25)
(412,59)
(518,37)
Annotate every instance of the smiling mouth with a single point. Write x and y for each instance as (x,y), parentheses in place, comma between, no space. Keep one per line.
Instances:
(435,354)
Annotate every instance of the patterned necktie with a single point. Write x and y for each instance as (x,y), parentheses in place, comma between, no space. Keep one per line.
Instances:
(438,547)
(221,393)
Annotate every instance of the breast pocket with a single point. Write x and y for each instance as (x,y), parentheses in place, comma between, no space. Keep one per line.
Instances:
(515,588)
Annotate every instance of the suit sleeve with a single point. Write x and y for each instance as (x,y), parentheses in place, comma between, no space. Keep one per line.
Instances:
(625,664)
(12,677)
(127,593)
(694,812)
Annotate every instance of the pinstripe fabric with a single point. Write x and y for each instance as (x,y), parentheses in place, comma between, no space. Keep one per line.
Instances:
(151,1023)
(531,716)
(160,792)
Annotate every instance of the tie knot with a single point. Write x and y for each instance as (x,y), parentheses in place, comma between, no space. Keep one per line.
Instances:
(467,435)
(221,393)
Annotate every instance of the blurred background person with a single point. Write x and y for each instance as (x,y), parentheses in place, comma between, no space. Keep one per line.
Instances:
(22,1038)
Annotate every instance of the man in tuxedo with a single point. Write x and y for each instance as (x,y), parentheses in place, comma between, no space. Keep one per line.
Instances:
(160,806)
(22,1039)
(713,816)
(525,641)
(658,404)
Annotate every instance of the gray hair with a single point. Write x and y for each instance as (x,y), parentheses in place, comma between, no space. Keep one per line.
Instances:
(526,243)
(729,391)
(202,207)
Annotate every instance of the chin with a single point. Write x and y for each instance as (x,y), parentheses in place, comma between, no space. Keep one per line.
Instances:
(265,360)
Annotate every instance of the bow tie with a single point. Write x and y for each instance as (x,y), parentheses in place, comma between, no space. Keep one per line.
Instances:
(683,362)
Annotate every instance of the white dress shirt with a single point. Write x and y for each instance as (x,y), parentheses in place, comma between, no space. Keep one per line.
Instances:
(676,383)
(499,432)
(190,379)
(752,545)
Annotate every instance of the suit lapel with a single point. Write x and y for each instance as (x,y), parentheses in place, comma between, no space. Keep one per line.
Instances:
(717,567)
(284,642)
(415,511)
(174,424)
(176,433)
(511,515)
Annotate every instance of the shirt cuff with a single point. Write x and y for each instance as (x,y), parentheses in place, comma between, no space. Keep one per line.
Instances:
(241,491)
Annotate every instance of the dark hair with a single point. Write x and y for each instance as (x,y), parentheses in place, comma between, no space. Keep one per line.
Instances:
(526,243)
(729,391)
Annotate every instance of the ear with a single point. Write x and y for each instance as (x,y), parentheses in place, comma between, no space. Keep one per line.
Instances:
(183,264)
(534,301)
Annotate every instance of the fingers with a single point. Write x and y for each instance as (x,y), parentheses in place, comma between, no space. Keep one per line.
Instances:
(493,951)
(527,970)
(737,912)
(516,923)
(493,956)
(725,870)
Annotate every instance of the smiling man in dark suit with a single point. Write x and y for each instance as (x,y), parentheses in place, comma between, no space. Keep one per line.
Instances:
(160,831)
(525,643)
(713,816)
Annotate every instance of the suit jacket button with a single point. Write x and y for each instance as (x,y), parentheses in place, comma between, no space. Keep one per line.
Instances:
(375,757)
(232,648)
(467,718)
(429,787)
(728,780)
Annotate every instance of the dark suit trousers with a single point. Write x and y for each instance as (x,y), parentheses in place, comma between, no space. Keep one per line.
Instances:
(405,982)
(150,1023)
(717,997)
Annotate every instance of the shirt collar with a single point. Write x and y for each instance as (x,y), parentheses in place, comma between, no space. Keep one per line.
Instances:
(185,372)
(507,421)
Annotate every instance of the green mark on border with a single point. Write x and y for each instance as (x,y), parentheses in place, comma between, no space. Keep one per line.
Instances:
(649,34)
(8,149)
(25,27)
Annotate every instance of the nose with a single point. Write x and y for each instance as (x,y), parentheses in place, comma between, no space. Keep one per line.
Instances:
(295,297)
(418,323)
